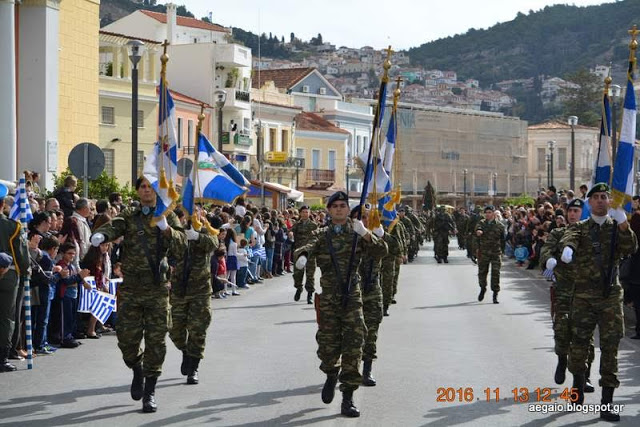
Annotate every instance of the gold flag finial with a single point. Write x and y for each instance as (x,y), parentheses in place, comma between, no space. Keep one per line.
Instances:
(633,32)
(397,91)
(387,65)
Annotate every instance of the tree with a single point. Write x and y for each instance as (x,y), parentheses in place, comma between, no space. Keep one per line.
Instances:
(583,101)
(206,19)
(292,38)
(429,198)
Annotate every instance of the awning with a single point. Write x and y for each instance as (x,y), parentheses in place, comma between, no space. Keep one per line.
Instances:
(292,194)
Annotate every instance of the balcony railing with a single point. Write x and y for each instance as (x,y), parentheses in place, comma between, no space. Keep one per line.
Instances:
(322,178)
(238,139)
(243,95)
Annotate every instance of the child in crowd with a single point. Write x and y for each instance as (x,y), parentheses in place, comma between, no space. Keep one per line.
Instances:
(68,292)
(46,275)
(521,252)
(232,260)
(243,265)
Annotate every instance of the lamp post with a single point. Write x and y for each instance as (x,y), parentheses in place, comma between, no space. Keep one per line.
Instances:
(637,183)
(548,159)
(495,184)
(135,47)
(551,145)
(573,121)
(464,186)
(615,95)
(221,98)
(260,156)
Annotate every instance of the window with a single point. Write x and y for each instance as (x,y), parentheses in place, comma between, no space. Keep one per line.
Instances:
(273,139)
(179,136)
(246,125)
(562,159)
(358,144)
(365,143)
(315,159)
(542,159)
(108,116)
(140,162)
(300,153)
(285,140)
(332,160)
(189,133)
(140,118)
(109,160)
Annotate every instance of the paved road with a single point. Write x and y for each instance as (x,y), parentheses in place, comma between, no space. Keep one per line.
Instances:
(261,367)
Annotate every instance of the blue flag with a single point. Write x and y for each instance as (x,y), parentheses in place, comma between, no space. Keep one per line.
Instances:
(21,210)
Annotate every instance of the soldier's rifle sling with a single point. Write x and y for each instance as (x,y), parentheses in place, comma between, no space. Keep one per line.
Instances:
(611,276)
(336,267)
(154,266)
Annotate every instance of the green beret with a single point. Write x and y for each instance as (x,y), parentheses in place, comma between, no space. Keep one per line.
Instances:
(601,187)
(576,203)
(489,208)
(336,197)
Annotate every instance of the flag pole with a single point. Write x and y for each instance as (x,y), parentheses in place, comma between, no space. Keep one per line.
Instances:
(27,279)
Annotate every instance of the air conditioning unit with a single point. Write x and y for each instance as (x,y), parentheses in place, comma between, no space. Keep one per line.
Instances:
(322,91)
(305,89)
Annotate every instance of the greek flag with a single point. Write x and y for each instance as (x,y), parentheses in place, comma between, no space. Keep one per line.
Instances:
(113,289)
(86,296)
(622,182)
(386,205)
(262,253)
(167,130)
(602,169)
(380,181)
(21,205)
(103,305)
(150,172)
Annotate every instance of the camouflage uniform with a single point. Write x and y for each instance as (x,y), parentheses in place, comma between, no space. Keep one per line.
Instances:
(490,246)
(143,305)
(461,220)
(410,237)
(341,330)
(428,226)
(191,301)
(302,234)
(390,263)
(417,225)
(443,226)
(403,239)
(590,306)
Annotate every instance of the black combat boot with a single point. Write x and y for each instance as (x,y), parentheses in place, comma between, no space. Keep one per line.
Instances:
(149,400)
(393,300)
(446,260)
(439,260)
(184,367)
(385,310)
(296,297)
(309,297)
(561,369)
(578,384)
(5,366)
(607,398)
(495,298)
(329,389)
(348,408)
(137,383)
(588,387)
(482,292)
(193,370)
(367,379)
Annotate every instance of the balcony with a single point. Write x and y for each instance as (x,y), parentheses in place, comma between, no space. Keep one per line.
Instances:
(232,55)
(281,159)
(238,139)
(320,178)
(237,99)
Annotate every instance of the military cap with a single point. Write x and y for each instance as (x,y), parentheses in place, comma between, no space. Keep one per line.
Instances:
(576,203)
(5,260)
(400,208)
(601,187)
(3,191)
(304,207)
(354,211)
(338,196)
(489,208)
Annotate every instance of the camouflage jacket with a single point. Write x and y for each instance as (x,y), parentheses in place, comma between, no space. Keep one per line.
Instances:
(553,249)
(408,225)
(492,239)
(473,221)
(135,265)
(197,253)
(416,222)
(588,278)
(400,232)
(443,223)
(341,241)
(370,266)
(12,242)
(393,244)
(303,232)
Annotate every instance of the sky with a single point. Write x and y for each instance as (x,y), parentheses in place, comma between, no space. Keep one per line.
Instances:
(356,23)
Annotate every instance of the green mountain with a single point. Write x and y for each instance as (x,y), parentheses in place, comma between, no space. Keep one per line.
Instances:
(112,10)
(553,41)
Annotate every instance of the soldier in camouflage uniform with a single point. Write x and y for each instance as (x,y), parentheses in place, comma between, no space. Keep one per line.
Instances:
(470,233)
(443,226)
(562,294)
(143,297)
(341,328)
(417,225)
(302,232)
(461,218)
(403,239)
(371,298)
(391,263)
(191,299)
(595,246)
(428,225)
(411,233)
(490,236)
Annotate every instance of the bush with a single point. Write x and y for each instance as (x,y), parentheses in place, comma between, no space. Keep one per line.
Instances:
(521,200)
(99,188)
(318,207)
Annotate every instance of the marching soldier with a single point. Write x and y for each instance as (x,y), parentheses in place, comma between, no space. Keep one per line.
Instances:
(411,233)
(595,246)
(143,297)
(341,328)
(461,219)
(191,299)
(302,234)
(391,263)
(562,294)
(403,238)
(443,226)
(470,233)
(490,235)
(417,225)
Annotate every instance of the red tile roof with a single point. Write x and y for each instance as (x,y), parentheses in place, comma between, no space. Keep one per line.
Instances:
(314,122)
(283,78)
(183,21)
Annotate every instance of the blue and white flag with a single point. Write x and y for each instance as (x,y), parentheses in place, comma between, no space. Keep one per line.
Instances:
(262,252)
(86,296)
(388,150)
(103,305)
(167,123)
(150,172)
(21,205)
(602,169)
(113,289)
(622,182)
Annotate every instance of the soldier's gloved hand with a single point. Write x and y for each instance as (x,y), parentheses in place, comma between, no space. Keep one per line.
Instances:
(567,255)
(378,231)
(97,239)
(548,274)
(551,263)
(619,215)
(192,234)
(301,262)
(359,228)
(162,223)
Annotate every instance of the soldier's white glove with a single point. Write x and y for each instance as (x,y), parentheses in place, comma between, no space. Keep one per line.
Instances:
(192,234)
(567,255)
(359,228)
(162,223)
(301,262)
(378,231)
(551,263)
(97,239)
(619,215)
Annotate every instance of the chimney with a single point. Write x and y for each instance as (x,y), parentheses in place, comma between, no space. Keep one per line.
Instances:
(171,23)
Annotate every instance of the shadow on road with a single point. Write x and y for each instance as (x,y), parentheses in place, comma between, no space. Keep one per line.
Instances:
(295,322)
(462,304)
(242,307)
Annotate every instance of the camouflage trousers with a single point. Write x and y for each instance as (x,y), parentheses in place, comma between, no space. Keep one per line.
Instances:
(372,310)
(340,337)
(310,270)
(190,318)
(441,244)
(143,313)
(484,261)
(388,271)
(395,279)
(562,323)
(606,313)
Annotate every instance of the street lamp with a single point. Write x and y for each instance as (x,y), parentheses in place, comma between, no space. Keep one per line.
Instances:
(135,48)
(464,186)
(221,98)
(573,121)
(615,95)
(495,184)
(547,157)
(551,145)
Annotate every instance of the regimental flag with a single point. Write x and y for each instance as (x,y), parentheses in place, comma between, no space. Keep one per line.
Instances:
(167,131)
(21,205)
(622,182)
(103,305)
(86,296)
(376,178)
(386,204)
(150,172)
(602,169)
